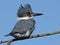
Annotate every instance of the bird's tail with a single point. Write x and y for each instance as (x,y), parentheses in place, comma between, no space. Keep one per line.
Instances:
(7,35)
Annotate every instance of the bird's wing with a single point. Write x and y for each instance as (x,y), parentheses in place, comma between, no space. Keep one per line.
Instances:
(22,27)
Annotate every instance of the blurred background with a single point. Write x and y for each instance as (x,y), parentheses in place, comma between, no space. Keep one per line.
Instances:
(49,22)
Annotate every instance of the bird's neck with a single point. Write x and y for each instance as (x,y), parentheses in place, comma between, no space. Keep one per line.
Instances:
(24,18)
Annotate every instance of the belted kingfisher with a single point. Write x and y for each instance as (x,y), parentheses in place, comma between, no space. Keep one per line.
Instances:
(26,24)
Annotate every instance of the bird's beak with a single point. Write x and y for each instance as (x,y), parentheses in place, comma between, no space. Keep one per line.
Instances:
(36,14)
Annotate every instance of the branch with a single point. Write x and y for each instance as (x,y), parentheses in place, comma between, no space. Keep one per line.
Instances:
(32,36)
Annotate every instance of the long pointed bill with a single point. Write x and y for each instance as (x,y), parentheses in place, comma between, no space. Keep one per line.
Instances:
(36,14)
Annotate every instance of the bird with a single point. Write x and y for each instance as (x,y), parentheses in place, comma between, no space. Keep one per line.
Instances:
(25,24)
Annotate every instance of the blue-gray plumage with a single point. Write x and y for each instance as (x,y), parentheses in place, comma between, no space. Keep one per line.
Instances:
(24,11)
(23,26)
(26,24)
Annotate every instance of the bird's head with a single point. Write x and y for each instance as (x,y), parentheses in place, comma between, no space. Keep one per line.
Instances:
(25,12)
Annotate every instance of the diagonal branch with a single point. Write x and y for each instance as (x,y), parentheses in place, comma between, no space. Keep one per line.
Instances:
(32,36)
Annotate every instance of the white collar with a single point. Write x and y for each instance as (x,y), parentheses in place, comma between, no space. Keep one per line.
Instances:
(24,18)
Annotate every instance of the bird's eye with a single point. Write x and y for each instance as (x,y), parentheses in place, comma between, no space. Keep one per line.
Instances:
(29,13)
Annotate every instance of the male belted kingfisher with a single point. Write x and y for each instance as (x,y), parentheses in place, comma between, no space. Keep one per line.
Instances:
(26,24)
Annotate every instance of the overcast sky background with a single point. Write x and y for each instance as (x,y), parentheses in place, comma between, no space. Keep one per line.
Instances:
(49,22)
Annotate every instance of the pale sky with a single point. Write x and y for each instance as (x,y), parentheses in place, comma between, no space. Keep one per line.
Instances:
(49,22)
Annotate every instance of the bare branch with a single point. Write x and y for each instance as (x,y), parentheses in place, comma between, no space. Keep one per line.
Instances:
(32,36)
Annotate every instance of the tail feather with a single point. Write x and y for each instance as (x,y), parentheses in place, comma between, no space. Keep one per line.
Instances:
(7,35)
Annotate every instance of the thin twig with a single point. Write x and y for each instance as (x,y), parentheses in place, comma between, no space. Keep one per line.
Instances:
(32,36)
